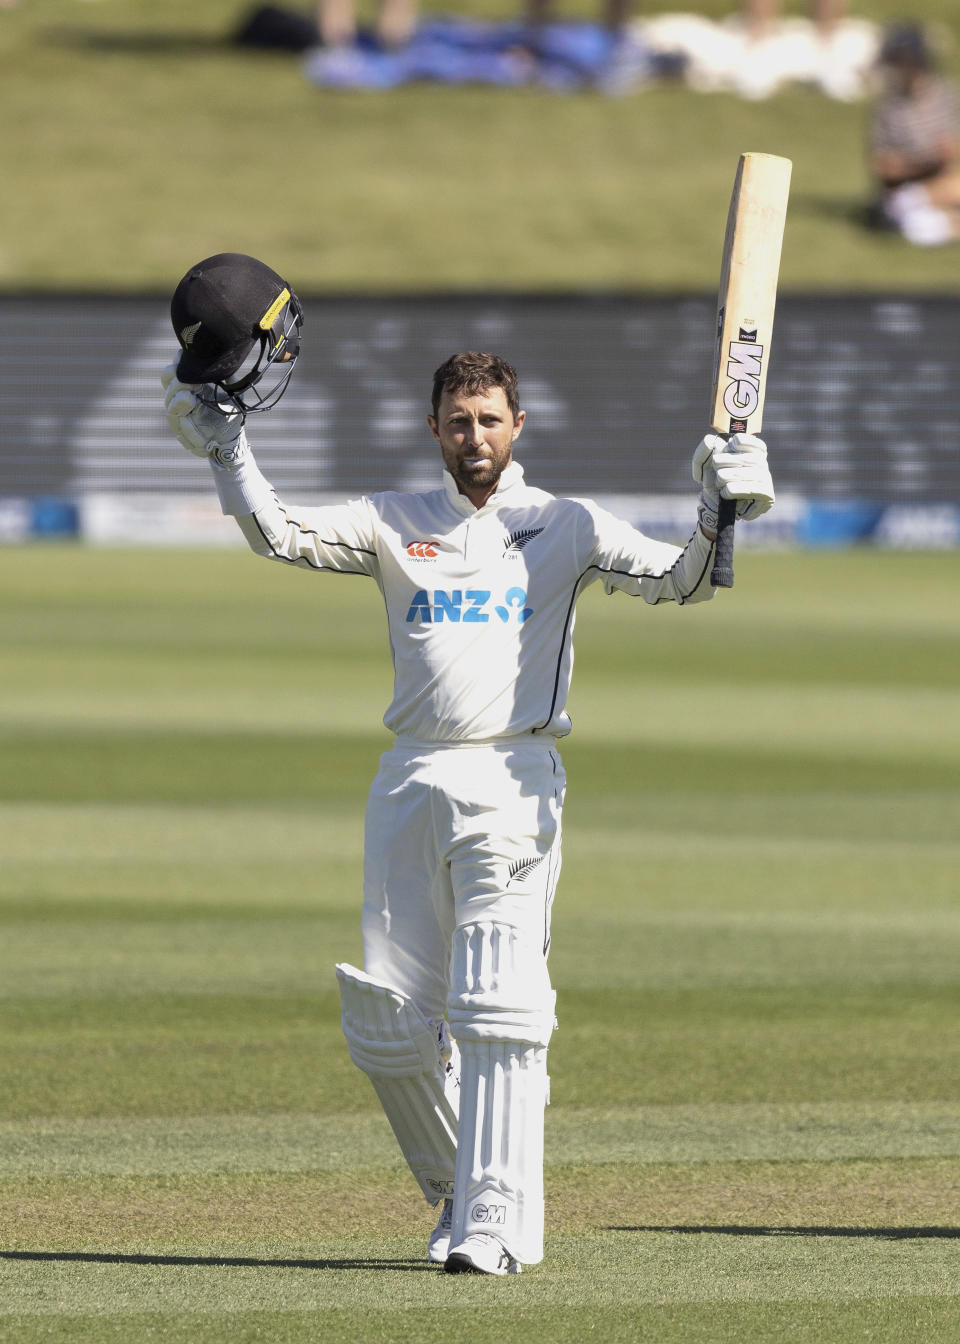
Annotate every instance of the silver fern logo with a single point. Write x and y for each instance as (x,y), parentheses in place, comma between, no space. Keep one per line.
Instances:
(517,540)
(520,869)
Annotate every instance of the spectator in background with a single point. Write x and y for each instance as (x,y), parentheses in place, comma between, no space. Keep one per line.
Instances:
(822,49)
(337,22)
(760,15)
(615,13)
(761,48)
(913,149)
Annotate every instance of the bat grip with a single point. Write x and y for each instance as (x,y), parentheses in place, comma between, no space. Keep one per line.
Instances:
(722,575)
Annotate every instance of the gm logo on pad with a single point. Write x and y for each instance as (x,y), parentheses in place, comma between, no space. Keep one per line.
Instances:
(489,1213)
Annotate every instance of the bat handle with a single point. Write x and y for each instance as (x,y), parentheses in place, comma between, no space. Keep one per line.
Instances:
(722,575)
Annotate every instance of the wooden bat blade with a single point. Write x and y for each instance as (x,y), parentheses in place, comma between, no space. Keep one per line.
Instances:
(746,301)
(747,294)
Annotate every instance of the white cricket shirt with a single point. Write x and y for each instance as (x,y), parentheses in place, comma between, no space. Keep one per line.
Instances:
(480,602)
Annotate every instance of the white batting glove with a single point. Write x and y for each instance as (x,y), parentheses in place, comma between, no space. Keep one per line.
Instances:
(735,468)
(203,430)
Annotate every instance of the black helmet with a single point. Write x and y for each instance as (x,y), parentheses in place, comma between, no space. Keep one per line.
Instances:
(236,319)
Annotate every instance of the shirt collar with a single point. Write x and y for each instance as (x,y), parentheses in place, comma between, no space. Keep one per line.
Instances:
(511,479)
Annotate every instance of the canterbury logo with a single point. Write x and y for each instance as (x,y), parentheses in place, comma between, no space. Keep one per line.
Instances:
(517,540)
(521,868)
(188,333)
(422,550)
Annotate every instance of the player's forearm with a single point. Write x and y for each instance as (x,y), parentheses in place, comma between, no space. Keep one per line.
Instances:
(335,538)
(241,486)
(243,490)
(244,493)
(685,578)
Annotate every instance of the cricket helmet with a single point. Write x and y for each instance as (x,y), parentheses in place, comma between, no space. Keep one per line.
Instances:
(238,324)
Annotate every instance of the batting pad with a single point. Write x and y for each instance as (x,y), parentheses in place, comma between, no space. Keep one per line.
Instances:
(414,1068)
(499,1175)
(501,1009)
(499,986)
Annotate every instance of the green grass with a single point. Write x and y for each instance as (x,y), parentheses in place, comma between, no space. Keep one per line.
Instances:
(144,140)
(756,1082)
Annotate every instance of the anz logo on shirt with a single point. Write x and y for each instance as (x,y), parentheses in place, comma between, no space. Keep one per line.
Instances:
(470,606)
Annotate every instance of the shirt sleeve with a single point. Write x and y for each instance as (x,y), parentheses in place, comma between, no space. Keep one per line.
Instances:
(627,561)
(337,538)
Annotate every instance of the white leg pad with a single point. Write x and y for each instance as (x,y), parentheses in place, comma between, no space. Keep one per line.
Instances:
(499,986)
(414,1067)
(499,1178)
(501,1010)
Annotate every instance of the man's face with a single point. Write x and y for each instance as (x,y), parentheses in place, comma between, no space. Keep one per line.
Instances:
(476,435)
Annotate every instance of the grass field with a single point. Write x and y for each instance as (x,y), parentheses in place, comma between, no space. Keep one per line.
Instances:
(755,1129)
(140,140)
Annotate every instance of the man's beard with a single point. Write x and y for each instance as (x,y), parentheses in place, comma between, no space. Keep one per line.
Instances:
(482,474)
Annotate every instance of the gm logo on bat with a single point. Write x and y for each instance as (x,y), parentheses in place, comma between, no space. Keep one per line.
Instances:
(468,606)
(741,396)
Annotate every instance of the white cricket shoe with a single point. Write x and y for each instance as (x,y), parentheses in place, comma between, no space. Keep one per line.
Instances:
(438,1247)
(481,1254)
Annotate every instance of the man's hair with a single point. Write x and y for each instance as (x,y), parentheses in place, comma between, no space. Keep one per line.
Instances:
(474,372)
(906,43)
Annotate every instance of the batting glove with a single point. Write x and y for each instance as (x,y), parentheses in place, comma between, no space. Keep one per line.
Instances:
(735,468)
(204,430)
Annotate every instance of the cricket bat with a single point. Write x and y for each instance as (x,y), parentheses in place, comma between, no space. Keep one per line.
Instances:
(745,304)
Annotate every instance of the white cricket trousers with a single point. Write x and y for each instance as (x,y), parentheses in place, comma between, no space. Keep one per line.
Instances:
(458,835)
(461,863)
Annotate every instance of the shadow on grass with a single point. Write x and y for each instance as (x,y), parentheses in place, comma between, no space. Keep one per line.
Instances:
(139,43)
(883,1233)
(216,1261)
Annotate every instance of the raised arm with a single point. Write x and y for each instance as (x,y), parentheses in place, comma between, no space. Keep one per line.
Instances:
(339,538)
(628,561)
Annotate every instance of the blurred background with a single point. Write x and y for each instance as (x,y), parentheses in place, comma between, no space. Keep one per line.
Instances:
(548,181)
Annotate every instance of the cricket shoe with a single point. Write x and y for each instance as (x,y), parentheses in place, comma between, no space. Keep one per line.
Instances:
(438,1247)
(481,1254)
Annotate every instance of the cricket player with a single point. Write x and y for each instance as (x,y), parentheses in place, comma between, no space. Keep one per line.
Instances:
(452,1013)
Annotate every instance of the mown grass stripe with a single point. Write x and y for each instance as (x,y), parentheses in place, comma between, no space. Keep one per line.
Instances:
(88,765)
(575,1135)
(931,1320)
(271,1213)
(827,822)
